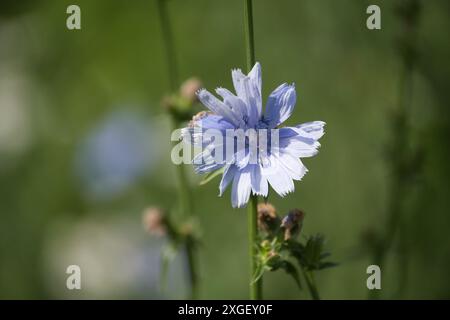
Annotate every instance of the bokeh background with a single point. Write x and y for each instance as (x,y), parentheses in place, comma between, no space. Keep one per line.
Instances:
(85,145)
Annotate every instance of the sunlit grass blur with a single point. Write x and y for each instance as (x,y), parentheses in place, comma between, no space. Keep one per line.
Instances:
(85,144)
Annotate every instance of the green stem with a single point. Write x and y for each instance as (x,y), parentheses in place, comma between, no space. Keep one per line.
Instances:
(185,206)
(184,192)
(249,38)
(255,286)
(311,283)
(395,230)
(168,44)
(190,251)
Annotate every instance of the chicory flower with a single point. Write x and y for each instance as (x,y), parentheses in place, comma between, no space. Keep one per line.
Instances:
(251,170)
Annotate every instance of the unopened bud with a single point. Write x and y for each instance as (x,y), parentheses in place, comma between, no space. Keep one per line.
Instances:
(154,221)
(189,88)
(268,220)
(292,223)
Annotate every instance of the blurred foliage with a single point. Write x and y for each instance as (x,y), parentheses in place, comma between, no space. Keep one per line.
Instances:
(57,86)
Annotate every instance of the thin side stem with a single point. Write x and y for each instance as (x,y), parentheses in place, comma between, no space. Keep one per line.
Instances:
(311,283)
(184,192)
(399,185)
(193,277)
(186,206)
(398,189)
(168,44)
(255,286)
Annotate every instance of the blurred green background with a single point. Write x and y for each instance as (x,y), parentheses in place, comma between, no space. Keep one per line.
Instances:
(85,145)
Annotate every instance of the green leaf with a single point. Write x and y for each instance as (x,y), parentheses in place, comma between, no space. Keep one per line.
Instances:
(297,250)
(292,271)
(274,263)
(325,255)
(211,176)
(260,269)
(313,250)
(328,264)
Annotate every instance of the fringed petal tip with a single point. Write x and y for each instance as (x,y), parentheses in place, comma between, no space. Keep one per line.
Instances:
(199,91)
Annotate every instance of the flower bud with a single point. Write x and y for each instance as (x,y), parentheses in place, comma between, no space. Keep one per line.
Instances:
(181,104)
(268,220)
(189,89)
(154,221)
(292,223)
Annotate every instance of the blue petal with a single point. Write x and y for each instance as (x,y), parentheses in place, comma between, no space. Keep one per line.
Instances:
(242,157)
(212,121)
(287,132)
(255,85)
(260,186)
(217,106)
(206,167)
(227,177)
(298,142)
(248,88)
(314,128)
(205,161)
(237,106)
(294,167)
(241,188)
(280,105)
(277,175)
(197,135)
(237,76)
(253,108)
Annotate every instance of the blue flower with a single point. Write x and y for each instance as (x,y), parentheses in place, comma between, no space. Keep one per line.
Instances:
(277,164)
(115,154)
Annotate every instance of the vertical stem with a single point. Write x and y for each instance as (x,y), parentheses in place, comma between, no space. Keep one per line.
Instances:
(411,26)
(184,194)
(168,44)
(172,68)
(249,38)
(255,286)
(311,283)
(184,191)
(193,277)
(400,167)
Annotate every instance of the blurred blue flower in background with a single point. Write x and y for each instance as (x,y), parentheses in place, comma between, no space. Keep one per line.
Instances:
(117,152)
